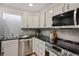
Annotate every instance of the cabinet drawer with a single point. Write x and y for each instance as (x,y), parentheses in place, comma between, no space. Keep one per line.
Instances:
(10,42)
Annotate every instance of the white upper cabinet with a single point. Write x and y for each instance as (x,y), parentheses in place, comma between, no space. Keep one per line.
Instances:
(58,9)
(30,21)
(35,21)
(42,19)
(49,15)
(73,6)
(24,20)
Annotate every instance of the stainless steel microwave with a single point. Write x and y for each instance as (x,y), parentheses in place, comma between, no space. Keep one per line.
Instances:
(67,18)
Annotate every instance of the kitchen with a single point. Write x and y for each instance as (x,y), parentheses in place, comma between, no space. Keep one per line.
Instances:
(39,29)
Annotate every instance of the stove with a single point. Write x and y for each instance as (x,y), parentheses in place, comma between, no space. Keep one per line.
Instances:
(57,51)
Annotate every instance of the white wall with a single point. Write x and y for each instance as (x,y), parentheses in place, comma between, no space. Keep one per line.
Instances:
(10,22)
(12,25)
(1,24)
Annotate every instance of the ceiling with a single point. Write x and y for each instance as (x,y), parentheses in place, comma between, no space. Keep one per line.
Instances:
(25,7)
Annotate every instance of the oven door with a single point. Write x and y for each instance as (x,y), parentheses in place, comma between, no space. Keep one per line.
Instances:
(52,53)
(49,53)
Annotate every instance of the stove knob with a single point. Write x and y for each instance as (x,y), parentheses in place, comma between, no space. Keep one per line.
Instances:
(70,55)
(65,53)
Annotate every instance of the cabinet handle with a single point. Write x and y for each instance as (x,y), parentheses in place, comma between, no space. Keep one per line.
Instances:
(67,6)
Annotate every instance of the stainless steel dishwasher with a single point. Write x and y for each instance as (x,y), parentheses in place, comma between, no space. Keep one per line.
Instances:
(25,47)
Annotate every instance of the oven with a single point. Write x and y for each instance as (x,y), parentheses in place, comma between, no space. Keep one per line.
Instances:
(52,50)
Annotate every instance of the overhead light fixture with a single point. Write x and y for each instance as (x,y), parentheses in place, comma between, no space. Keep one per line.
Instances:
(30,4)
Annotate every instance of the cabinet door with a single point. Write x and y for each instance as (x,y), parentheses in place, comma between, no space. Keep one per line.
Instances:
(49,15)
(42,20)
(24,20)
(10,48)
(35,45)
(41,48)
(58,9)
(73,6)
(35,21)
(30,21)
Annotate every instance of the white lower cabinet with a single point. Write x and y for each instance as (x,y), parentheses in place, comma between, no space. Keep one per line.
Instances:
(24,20)
(38,47)
(10,47)
(41,48)
(35,45)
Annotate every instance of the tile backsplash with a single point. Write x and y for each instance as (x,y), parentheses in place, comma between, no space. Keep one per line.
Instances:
(68,34)
(46,32)
(28,32)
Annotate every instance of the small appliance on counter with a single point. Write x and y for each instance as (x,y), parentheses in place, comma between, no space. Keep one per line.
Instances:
(53,36)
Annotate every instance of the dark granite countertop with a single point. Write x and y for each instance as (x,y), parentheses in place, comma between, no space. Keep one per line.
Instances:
(20,38)
(44,38)
(41,37)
